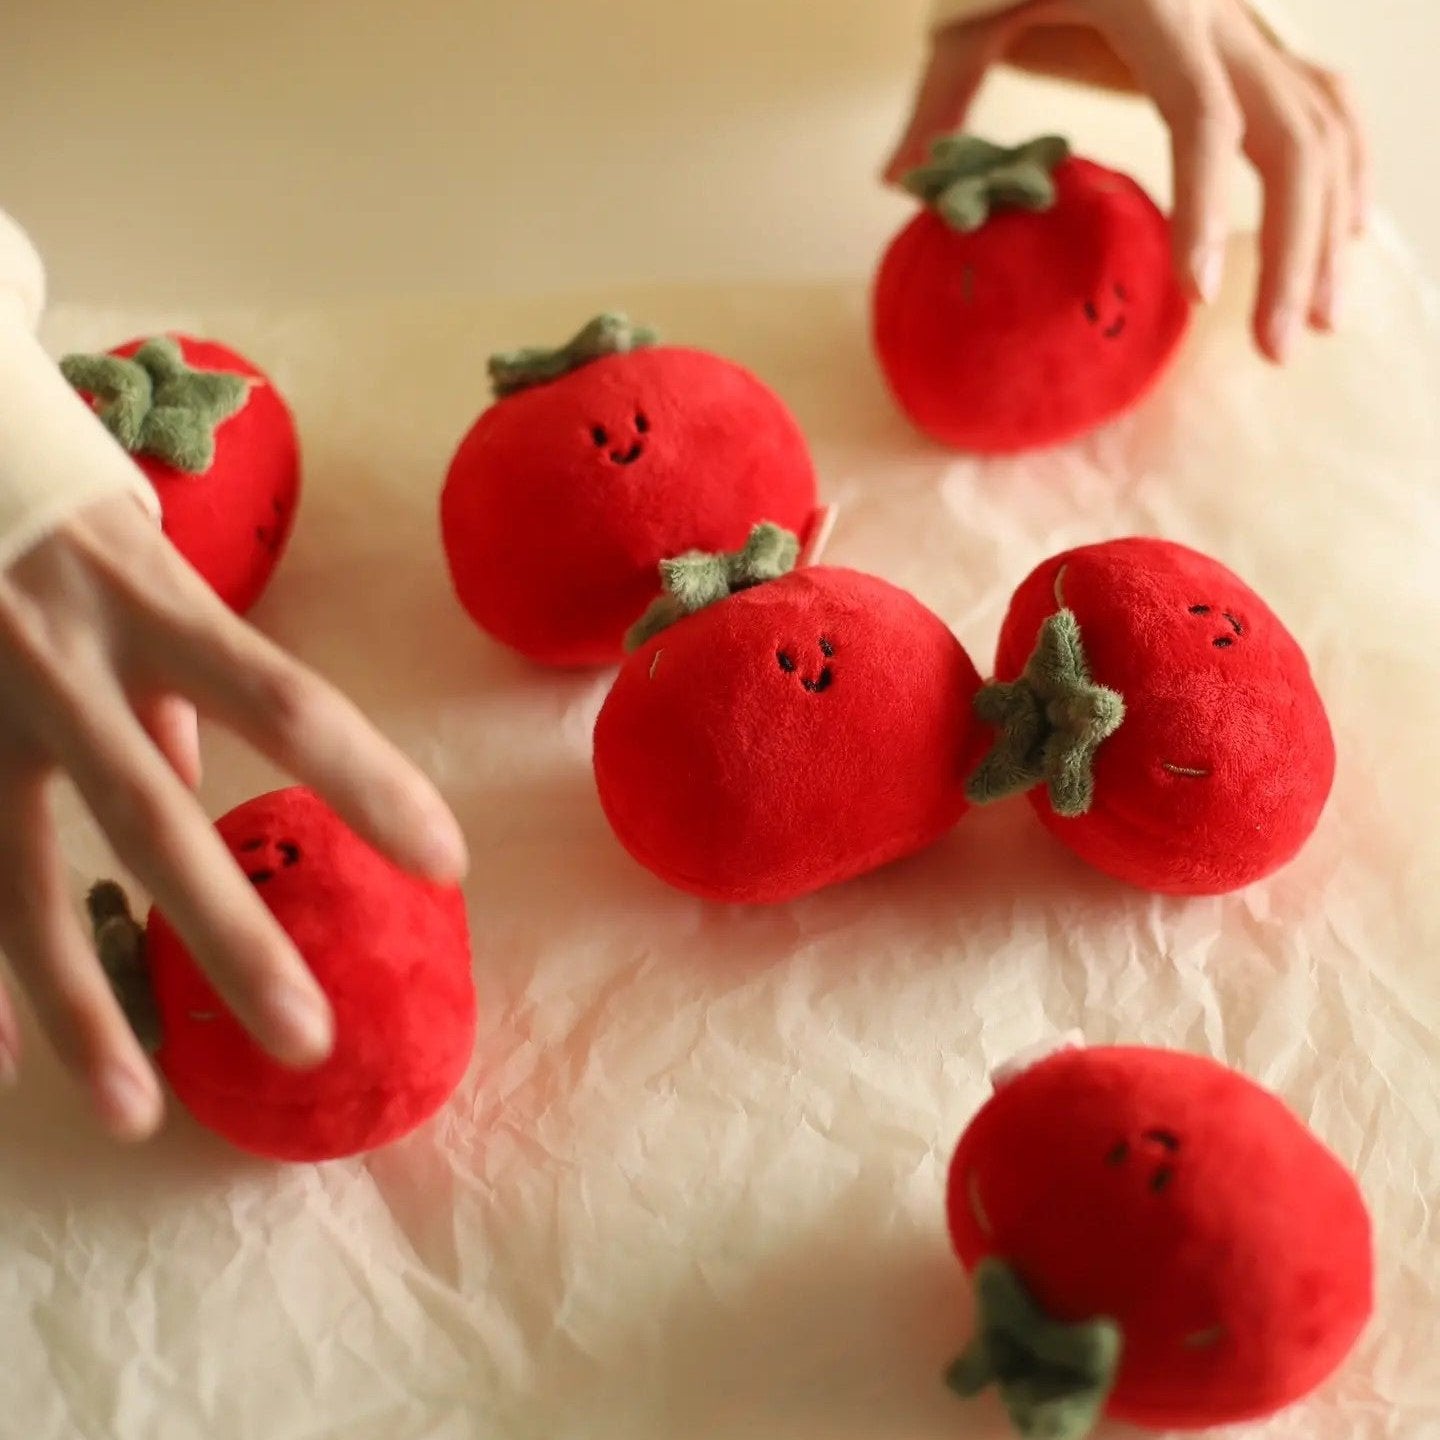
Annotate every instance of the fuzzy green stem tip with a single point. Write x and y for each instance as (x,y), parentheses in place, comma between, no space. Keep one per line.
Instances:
(156,404)
(967,179)
(120,944)
(1052,720)
(1054,1378)
(610,334)
(697,579)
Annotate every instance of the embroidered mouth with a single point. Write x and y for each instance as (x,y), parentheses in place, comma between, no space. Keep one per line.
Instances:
(1186,772)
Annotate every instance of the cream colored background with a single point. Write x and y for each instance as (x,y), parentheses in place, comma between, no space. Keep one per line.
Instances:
(171,151)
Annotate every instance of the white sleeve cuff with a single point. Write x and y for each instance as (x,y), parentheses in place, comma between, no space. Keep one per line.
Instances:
(22,276)
(55,455)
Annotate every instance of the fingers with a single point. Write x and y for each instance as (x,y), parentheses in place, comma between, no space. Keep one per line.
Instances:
(1339,217)
(1288,138)
(160,833)
(1347,165)
(1174,57)
(186,641)
(171,723)
(959,60)
(56,963)
(1341,100)
(1292,228)
(312,731)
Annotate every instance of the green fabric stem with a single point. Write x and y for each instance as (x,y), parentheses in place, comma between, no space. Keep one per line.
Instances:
(699,578)
(1052,720)
(967,179)
(515,370)
(156,404)
(1053,1378)
(120,944)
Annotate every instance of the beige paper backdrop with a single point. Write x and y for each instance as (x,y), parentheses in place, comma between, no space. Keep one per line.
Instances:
(176,151)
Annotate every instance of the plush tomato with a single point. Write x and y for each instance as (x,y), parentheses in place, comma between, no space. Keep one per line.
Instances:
(216,440)
(392,954)
(597,461)
(784,730)
(1154,1236)
(1168,717)
(1032,299)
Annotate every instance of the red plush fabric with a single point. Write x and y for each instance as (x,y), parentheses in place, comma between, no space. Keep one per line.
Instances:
(233,522)
(563,498)
(1225,759)
(1038,326)
(795,735)
(1178,1198)
(391,952)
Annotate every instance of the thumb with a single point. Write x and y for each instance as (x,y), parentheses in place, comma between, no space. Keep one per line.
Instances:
(959,59)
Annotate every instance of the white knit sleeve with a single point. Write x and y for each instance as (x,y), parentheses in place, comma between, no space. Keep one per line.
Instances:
(55,456)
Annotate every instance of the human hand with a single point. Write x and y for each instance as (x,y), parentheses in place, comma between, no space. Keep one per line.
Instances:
(108,639)
(1223,84)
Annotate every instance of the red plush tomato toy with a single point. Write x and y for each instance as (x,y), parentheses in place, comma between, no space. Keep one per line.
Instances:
(597,461)
(1164,718)
(391,952)
(217,442)
(1155,1238)
(777,731)
(1032,299)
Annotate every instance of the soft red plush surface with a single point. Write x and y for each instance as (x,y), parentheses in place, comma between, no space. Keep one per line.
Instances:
(1213,682)
(233,522)
(554,534)
(1253,1226)
(1036,327)
(735,778)
(391,952)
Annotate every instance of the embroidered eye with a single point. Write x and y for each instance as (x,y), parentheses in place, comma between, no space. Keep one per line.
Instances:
(826,648)
(642,421)
(289,852)
(1091,313)
(1223,642)
(785,662)
(1199,609)
(1121,293)
(599,435)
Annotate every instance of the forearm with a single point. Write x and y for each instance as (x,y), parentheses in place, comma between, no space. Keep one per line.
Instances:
(55,456)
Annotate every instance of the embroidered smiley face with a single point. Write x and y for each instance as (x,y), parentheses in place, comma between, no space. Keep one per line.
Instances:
(816,682)
(622,446)
(1153,1154)
(263,858)
(1109,311)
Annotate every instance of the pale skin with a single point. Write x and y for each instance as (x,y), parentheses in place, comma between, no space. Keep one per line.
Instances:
(109,642)
(1225,87)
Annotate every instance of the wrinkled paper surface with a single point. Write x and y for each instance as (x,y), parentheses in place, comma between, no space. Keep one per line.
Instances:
(693,1184)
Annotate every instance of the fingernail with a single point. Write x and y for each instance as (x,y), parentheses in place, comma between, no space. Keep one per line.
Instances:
(1280,332)
(129,1105)
(446,856)
(301,1022)
(1208,268)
